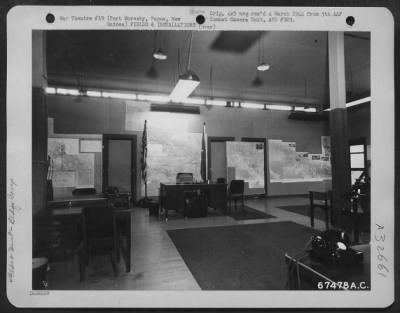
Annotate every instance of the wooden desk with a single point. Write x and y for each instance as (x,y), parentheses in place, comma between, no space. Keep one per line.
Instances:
(80,200)
(311,272)
(172,195)
(65,225)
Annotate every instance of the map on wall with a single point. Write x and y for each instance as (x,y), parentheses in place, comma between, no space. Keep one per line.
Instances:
(71,169)
(246,159)
(168,153)
(287,165)
(326,146)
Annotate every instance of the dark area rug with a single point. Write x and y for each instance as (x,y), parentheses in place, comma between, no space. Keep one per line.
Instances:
(346,221)
(241,257)
(304,210)
(247,213)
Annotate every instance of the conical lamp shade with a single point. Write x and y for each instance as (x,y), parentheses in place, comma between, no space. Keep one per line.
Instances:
(152,72)
(257,82)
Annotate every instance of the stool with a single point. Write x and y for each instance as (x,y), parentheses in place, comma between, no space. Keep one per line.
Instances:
(321,200)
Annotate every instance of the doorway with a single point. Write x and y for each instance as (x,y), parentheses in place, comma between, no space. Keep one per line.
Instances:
(217,157)
(119,162)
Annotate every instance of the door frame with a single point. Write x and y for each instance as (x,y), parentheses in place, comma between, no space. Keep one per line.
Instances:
(214,139)
(264,141)
(133,169)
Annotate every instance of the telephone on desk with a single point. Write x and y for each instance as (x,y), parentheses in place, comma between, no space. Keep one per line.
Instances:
(332,247)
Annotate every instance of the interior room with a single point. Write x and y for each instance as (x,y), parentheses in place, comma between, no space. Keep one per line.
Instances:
(200,160)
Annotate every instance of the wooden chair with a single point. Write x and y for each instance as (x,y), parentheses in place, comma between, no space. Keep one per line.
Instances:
(236,191)
(100,237)
(322,200)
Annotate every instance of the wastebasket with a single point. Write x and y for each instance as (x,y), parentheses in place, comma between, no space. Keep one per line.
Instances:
(40,267)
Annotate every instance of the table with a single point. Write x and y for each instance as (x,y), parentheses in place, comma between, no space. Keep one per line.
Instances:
(172,195)
(87,200)
(311,272)
(64,224)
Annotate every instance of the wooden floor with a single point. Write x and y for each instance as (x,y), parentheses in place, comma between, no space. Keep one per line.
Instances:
(156,263)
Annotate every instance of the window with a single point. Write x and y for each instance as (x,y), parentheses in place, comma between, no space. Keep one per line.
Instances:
(358,158)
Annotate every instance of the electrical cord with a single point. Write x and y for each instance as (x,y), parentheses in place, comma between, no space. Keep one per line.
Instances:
(294,260)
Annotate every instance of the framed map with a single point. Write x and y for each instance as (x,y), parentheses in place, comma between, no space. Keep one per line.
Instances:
(245,160)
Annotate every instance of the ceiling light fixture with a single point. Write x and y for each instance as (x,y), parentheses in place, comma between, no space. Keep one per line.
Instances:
(69,92)
(279,107)
(262,66)
(117,95)
(93,93)
(153,98)
(305,109)
(257,81)
(159,54)
(152,72)
(220,103)
(250,105)
(161,98)
(187,82)
(194,101)
(51,90)
(311,110)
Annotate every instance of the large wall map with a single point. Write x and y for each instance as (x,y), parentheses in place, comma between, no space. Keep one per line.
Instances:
(246,160)
(288,165)
(71,168)
(171,152)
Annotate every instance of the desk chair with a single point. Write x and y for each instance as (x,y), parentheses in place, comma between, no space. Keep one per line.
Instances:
(116,198)
(99,235)
(236,191)
(322,200)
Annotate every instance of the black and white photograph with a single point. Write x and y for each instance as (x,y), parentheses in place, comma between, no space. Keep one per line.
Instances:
(179,157)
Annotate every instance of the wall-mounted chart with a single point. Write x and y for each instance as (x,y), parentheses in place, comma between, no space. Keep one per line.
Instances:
(287,165)
(245,160)
(71,168)
(169,153)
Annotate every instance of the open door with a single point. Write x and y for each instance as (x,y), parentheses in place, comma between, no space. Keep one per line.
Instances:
(217,157)
(119,162)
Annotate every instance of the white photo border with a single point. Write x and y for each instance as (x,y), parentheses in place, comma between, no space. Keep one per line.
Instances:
(21,20)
